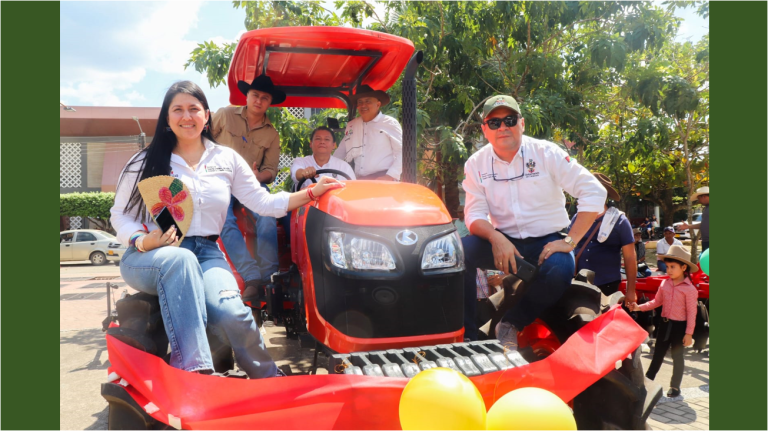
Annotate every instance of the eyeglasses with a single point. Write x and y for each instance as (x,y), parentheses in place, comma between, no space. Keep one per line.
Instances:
(522,159)
(509,121)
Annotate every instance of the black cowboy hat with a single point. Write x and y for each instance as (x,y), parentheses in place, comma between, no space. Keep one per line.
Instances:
(262,83)
(367,91)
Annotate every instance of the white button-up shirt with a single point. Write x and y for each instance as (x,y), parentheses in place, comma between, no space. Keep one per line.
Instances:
(662,247)
(333,163)
(221,173)
(532,205)
(375,146)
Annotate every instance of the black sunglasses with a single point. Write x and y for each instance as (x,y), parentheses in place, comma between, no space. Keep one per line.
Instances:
(509,121)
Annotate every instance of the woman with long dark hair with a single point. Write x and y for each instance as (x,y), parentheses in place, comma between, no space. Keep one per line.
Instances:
(192,279)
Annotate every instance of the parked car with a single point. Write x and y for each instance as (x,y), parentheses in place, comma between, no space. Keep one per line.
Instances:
(685,234)
(88,244)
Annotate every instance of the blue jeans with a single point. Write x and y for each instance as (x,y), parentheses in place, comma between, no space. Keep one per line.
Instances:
(662,266)
(553,278)
(266,245)
(196,289)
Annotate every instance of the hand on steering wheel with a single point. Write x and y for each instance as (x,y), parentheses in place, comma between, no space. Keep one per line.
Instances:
(320,172)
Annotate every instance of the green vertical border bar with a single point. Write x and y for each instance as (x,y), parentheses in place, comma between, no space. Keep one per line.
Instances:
(29,57)
(738,171)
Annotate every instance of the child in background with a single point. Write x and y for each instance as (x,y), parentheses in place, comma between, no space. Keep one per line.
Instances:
(678,298)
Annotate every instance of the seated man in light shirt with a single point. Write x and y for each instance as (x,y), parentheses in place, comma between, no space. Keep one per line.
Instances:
(322,142)
(663,245)
(373,141)
(518,182)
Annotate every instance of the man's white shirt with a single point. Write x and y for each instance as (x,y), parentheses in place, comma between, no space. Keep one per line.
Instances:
(533,204)
(220,174)
(374,146)
(662,247)
(333,163)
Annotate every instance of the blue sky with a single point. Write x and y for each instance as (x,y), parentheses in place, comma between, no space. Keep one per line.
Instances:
(129,53)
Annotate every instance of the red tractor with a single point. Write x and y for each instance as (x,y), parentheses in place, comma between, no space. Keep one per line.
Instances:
(372,276)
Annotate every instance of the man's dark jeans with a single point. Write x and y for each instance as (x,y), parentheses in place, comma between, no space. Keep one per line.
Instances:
(553,278)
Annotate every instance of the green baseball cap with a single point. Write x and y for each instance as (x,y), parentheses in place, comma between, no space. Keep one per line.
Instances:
(498,102)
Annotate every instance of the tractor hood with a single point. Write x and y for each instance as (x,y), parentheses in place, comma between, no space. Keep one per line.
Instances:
(383,203)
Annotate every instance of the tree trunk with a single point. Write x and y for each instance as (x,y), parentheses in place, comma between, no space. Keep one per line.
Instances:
(667,207)
(684,133)
(452,201)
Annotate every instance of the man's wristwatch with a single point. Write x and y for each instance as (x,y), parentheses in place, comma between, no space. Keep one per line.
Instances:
(568,240)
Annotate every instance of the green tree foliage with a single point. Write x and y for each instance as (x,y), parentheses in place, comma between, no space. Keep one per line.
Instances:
(605,76)
(93,206)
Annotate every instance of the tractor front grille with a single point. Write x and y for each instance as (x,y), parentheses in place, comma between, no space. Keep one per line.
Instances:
(471,359)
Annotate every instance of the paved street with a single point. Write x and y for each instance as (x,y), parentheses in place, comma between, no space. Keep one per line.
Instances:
(83,357)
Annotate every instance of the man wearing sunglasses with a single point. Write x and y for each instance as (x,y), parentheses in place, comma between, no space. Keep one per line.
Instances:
(515,206)
(373,141)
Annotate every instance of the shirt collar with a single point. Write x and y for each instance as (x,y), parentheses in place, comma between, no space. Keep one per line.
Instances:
(318,163)
(243,112)
(519,153)
(377,118)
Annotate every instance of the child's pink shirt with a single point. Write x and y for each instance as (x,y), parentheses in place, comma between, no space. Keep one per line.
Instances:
(679,302)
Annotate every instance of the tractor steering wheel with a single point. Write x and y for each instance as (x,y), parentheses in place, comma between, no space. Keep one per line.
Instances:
(322,171)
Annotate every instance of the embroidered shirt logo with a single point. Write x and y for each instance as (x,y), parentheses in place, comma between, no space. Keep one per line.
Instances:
(531,165)
(214,169)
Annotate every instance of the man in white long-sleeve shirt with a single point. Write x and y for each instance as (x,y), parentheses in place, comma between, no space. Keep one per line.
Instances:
(515,207)
(322,142)
(373,141)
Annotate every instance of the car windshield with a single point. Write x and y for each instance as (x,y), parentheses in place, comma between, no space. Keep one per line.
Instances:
(107,235)
(697,217)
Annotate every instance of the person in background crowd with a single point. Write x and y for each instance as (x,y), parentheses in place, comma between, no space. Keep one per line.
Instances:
(663,245)
(373,141)
(702,195)
(640,254)
(248,131)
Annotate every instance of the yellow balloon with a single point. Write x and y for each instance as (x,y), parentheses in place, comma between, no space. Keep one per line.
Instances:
(441,399)
(530,409)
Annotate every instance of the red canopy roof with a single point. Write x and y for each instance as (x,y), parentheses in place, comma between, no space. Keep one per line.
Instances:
(322,61)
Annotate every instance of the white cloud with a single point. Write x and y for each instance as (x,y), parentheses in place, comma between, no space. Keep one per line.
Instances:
(102,60)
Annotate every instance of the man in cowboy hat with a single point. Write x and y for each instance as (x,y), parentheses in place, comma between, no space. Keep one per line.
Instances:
(609,239)
(373,141)
(248,131)
(515,207)
(702,195)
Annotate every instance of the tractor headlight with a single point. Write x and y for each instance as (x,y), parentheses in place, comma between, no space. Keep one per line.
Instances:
(443,252)
(352,252)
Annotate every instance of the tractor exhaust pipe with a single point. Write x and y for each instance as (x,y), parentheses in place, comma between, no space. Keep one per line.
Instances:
(409,119)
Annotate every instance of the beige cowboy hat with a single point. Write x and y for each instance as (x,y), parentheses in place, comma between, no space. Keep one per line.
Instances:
(608,184)
(700,191)
(678,253)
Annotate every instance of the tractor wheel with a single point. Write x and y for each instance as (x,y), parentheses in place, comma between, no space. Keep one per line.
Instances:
(622,399)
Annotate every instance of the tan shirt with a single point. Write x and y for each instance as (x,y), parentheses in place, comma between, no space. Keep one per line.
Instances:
(260,145)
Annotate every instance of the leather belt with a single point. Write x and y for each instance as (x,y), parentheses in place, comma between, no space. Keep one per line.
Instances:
(213,238)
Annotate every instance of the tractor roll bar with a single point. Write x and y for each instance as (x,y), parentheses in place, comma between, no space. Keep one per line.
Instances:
(409,118)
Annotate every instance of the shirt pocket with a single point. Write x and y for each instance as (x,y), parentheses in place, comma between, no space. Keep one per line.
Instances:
(538,191)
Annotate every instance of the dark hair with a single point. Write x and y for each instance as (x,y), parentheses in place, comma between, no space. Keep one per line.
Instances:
(312,136)
(157,156)
(686,272)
